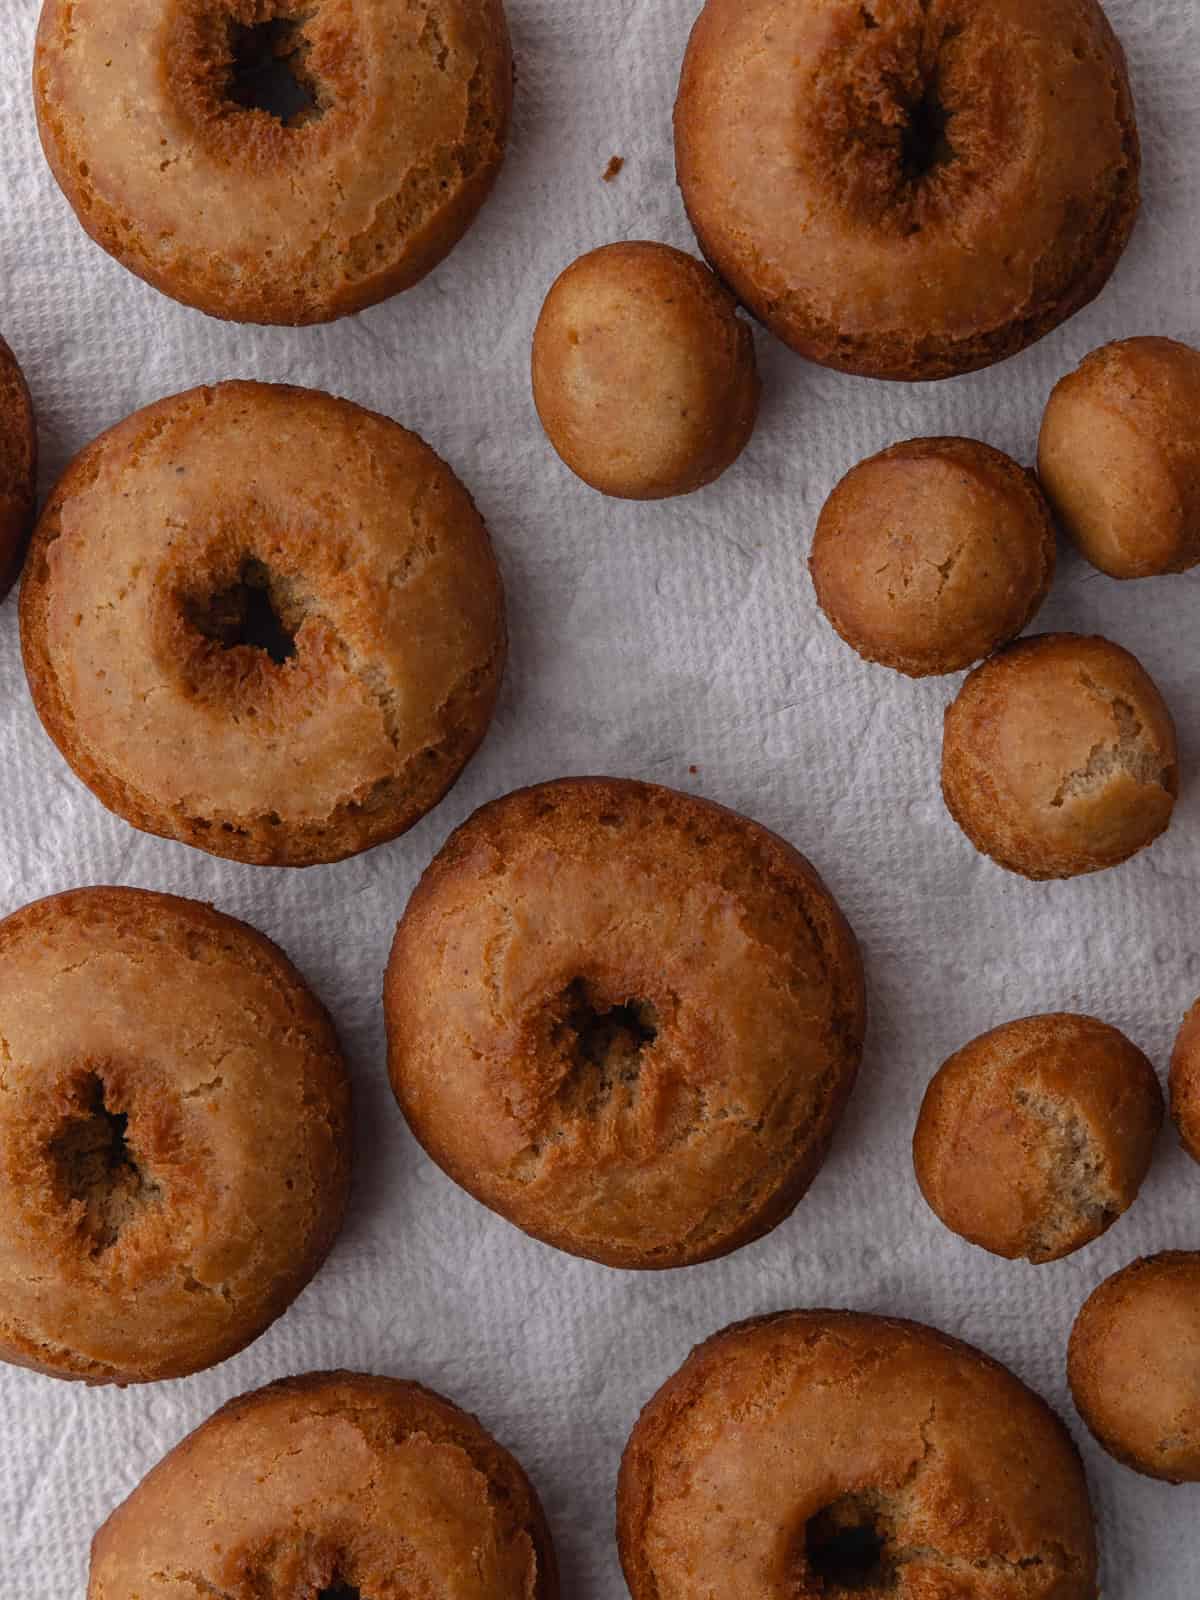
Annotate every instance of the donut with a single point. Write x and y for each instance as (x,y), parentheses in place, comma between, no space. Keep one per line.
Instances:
(932,554)
(1059,757)
(626,1019)
(174,1136)
(334,1485)
(813,1455)
(1119,457)
(1036,1137)
(275,161)
(644,376)
(1185,1082)
(908,189)
(18,467)
(1134,1366)
(264,622)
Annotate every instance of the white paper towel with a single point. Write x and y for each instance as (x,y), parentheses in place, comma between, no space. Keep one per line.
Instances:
(679,643)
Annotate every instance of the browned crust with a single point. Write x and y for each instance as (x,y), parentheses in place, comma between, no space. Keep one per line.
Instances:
(18,467)
(638,1471)
(178,921)
(1090,1326)
(386,1410)
(924,354)
(790,874)
(357,824)
(988,462)
(274,299)
(974,800)
(1185,1083)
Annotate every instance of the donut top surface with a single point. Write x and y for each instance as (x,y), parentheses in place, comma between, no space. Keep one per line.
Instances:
(173,1135)
(1060,756)
(18,465)
(814,1455)
(908,188)
(263,621)
(334,1485)
(281,161)
(624,1018)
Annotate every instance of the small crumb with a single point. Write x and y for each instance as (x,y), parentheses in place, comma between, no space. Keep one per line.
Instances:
(613,169)
(693,771)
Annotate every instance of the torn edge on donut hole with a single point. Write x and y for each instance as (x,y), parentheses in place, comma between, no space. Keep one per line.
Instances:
(267,66)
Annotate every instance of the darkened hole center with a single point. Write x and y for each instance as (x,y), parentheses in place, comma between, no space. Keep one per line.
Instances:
(340,1591)
(614,1036)
(97,1167)
(925,144)
(268,71)
(846,1549)
(245,614)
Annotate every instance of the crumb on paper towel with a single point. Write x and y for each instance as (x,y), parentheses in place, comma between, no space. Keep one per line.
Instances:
(613,169)
(693,771)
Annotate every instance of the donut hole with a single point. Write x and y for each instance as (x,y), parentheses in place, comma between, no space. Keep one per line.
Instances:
(96,1167)
(611,1039)
(846,1548)
(340,1591)
(248,613)
(925,145)
(268,70)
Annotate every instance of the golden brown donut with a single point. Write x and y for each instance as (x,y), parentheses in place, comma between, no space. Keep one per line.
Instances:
(626,1019)
(1060,757)
(174,1136)
(1185,1082)
(265,622)
(931,554)
(18,467)
(1120,457)
(644,376)
(279,161)
(329,1487)
(816,1455)
(1134,1366)
(1036,1137)
(908,188)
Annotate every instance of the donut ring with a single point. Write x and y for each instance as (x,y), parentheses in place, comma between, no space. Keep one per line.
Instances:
(331,1485)
(275,161)
(908,188)
(816,1455)
(264,622)
(626,1019)
(18,467)
(174,1139)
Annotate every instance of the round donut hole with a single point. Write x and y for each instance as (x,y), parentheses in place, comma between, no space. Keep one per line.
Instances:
(96,1167)
(846,1548)
(246,613)
(340,1591)
(268,71)
(924,144)
(607,1040)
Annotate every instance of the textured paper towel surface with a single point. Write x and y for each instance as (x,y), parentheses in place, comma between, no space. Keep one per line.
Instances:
(678,643)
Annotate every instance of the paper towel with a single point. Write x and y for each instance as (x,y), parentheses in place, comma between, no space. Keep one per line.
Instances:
(679,643)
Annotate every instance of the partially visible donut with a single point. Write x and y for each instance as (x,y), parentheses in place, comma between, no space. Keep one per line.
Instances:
(277,161)
(18,467)
(908,188)
(174,1136)
(265,622)
(816,1455)
(332,1485)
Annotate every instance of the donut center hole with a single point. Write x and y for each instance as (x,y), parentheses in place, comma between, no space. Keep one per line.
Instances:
(268,70)
(925,145)
(846,1548)
(97,1169)
(340,1591)
(610,1039)
(246,614)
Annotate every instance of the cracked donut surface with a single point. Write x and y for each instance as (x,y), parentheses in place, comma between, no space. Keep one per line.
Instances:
(626,1019)
(174,1154)
(330,1486)
(1060,757)
(264,622)
(933,553)
(908,188)
(275,161)
(815,1455)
